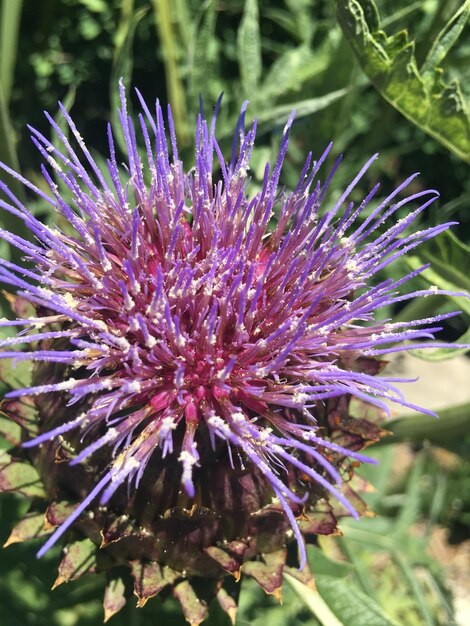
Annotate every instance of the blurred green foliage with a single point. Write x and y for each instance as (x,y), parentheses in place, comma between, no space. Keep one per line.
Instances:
(353,76)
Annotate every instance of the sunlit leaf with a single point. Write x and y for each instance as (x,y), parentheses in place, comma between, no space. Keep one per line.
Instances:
(437,107)
(339,602)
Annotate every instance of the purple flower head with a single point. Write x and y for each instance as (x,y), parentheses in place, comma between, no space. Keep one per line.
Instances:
(189,313)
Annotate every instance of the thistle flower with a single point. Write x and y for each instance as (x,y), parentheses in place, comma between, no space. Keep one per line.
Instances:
(195,350)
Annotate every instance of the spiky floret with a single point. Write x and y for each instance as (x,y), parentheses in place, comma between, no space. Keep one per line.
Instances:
(185,311)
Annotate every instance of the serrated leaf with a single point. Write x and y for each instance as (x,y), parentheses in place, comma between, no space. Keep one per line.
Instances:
(249,49)
(441,274)
(442,354)
(19,477)
(438,108)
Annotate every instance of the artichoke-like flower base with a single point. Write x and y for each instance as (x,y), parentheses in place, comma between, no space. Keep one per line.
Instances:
(195,548)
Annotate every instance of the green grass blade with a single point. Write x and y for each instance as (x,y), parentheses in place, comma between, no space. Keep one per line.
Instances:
(176,94)
(127,9)
(10,15)
(249,50)
(201,61)
(415,587)
(314,602)
(338,602)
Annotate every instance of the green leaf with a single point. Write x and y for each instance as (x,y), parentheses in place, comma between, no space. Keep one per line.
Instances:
(322,564)
(276,116)
(249,50)
(127,8)
(294,67)
(442,354)
(169,42)
(183,20)
(453,422)
(445,40)
(9,24)
(15,374)
(441,274)
(338,602)
(447,277)
(438,108)
(314,602)
(350,604)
